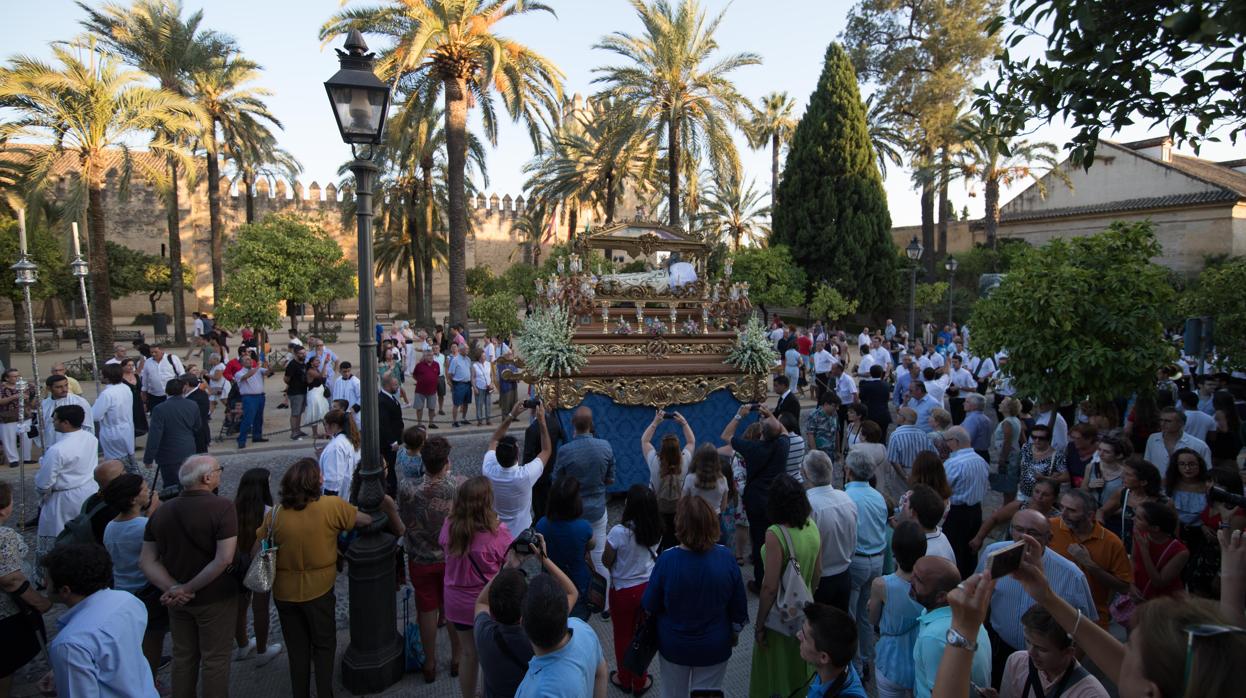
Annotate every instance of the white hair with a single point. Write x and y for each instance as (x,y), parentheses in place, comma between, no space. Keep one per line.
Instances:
(977,400)
(817,468)
(860,465)
(195,468)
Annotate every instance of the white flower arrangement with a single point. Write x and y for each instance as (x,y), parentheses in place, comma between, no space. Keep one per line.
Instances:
(752,352)
(545,344)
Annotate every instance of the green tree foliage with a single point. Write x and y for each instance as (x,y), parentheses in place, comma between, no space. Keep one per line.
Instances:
(44,250)
(829,304)
(134,271)
(832,210)
(295,257)
(1081,318)
(249,299)
(1108,62)
(481,281)
(497,311)
(930,298)
(520,280)
(773,277)
(1219,295)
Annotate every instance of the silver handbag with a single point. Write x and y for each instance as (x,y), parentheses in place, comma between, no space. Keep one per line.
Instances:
(264,567)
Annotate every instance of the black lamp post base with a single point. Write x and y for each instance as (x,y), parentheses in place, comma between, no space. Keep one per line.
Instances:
(374,671)
(374,660)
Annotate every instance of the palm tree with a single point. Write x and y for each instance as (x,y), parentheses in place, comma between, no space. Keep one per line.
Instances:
(772,126)
(252,150)
(90,107)
(885,134)
(151,35)
(532,228)
(676,89)
(734,210)
(218,87)
(993,159)
(451,48)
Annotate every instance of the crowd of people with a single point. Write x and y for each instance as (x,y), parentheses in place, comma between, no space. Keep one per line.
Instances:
(858,525)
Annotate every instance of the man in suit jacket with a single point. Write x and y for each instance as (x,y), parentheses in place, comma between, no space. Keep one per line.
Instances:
(175,428)
(196,394)
(787,400)
(389,422)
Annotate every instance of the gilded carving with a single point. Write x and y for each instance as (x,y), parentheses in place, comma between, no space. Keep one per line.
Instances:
(637,349)
(658,391)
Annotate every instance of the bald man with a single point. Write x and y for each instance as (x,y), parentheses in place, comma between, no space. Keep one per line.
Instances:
(1010,601)
(591,461)
(933,578)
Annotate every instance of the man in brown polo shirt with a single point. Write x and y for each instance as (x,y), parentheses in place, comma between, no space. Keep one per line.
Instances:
(188,544)
(1099,553)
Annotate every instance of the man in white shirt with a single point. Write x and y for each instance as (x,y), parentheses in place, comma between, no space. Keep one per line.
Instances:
(1059,430)
(960,384)
(118,355)
(867,362)
(250,382)
(937,381)
(58,395)
(157,372)
(345,386)
(882,357)
(926,507)
(835,514)
(512,482)
(863,339)
(823,361)
(113,411)
(1171,437)
(66,473)
(198,329)
(1197,423)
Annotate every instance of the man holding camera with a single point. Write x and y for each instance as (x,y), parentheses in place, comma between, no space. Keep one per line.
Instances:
(502,646)
(513,482)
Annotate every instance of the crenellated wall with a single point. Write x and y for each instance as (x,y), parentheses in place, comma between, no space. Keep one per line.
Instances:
(139,221)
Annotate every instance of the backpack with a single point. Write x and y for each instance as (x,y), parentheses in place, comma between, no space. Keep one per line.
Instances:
(79,529)
(670,489)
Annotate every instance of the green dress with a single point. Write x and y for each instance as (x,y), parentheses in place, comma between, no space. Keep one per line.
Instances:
(778,667)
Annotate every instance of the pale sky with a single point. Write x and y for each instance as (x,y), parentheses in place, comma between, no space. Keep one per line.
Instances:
(791,36)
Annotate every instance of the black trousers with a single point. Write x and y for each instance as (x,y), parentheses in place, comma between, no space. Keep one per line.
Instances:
(835,590)
(963,522)
(821,384)
(758,522)
(957,405)
(310,630)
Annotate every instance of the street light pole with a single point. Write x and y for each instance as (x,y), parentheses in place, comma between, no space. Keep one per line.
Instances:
(81,270)
(914,252)
(950,265)
(374,659)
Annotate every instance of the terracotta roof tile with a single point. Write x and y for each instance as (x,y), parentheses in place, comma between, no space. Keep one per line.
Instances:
(1148,203)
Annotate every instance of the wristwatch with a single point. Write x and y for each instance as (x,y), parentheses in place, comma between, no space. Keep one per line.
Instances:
(955,639)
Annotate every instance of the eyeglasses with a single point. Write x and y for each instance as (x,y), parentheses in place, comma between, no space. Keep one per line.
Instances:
(1202,631)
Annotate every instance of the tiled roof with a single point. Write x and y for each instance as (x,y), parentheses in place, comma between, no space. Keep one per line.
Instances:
(1143,204)
(1208,171)
(66,163)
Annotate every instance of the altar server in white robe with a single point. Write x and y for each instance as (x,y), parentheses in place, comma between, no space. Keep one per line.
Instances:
(58,395)
(66,473)
(113,413)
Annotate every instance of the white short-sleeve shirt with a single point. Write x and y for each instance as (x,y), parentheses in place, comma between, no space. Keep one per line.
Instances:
(632,562)
(512,489)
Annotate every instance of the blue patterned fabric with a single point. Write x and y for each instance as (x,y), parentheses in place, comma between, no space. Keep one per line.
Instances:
(622,426)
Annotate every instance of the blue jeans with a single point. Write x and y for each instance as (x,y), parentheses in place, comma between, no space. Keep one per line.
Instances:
(483,404)
(863,570)
(252,418)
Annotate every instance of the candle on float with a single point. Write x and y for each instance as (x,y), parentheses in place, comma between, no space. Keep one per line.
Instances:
(77,247)
(21,229)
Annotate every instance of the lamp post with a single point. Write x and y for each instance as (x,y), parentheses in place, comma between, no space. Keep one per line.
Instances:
(81,270)
(25,275)
(374,659)
(914,253)
(950,265)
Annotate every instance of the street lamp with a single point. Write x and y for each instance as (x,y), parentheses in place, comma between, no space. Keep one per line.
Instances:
(81,270)
(374,659)
(914,253)
(25,275)
(950,265)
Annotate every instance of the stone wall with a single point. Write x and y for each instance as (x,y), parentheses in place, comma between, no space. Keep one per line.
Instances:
(139,221)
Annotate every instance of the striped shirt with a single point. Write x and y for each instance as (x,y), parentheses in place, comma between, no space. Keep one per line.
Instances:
(905,443)
(968,475)
(795,456)
(1010,601)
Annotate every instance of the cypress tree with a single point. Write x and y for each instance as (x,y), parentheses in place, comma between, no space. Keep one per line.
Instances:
(832,210)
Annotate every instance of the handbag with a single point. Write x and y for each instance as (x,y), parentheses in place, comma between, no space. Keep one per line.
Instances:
(413,646)
(595,596)
(787,615)
(263,568)
(1123,606)
(644,644)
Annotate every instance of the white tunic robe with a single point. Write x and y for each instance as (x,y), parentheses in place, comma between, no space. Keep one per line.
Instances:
(48,405)
(66,479)
(114,412)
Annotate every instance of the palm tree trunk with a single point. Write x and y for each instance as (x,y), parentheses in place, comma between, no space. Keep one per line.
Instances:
(102,317)
(610,194)
(928,225)
(216,235)
(944,205)
(426,242)
(774,172)
(249,197)
(456,147)
(672,174)
(573,219)
(991,218)
(415,303)
(176,283)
